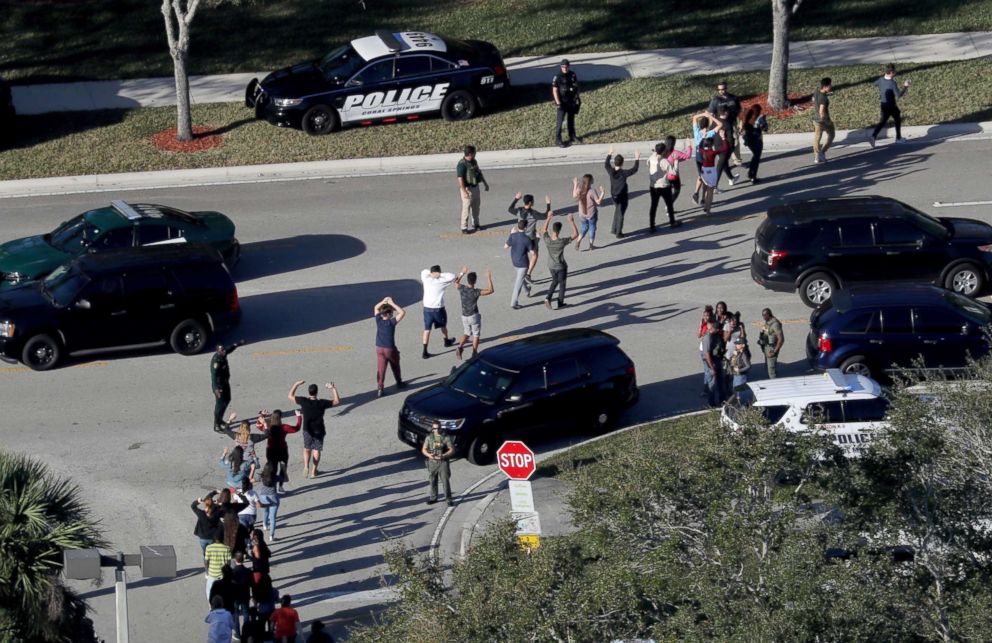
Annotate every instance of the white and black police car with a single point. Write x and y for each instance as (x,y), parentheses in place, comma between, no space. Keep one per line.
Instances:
(385,78)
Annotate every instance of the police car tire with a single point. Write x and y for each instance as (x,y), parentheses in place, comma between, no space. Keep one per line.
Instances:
(459,106)
(482,449)
(326,117)
(41,352)
(184,332)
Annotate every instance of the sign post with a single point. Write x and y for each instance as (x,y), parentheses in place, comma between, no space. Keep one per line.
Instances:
(516,460)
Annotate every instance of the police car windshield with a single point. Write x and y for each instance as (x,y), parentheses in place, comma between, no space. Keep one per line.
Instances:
(69,236)
(340,64)
(481,380)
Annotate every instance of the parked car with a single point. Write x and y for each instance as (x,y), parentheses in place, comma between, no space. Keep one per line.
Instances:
(821,245)
(383,78)
(566,379)
(848,407)
(119,225)
(131,298)
(870,330)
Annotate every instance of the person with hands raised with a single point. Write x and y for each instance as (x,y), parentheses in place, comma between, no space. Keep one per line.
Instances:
(618,187)
(313,409)
(556,257)
(471,318)
(387,314)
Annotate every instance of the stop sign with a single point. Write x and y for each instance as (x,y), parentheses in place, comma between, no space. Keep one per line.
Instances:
(516,460)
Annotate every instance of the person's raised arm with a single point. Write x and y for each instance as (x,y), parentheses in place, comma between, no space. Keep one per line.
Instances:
(575,187)
(598,196)
(336,399)
(233,347)
(292,391)
(513,204)
(400,313)
(609,157)
(375,310)
(547,221)
(491,289)
(547,203)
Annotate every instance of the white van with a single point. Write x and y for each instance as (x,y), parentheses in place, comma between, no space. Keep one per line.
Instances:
(847,406)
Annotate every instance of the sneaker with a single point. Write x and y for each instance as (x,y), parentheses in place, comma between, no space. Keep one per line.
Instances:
(401,384)
(458,353)
(577,139)
(431,501)
(449,342)
(901,140)
(676,224)
(378,392)
(717,191)
(547,304)
(871,141)
(562,144)
(425,354)
(695,198)
(516,306)
(816,158)
(563,305)
(734,179)
(476,228)
(467,231)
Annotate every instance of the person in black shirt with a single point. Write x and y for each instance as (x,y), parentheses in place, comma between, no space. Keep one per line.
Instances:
(618,187)
(728,108)
(313,410)
(528,215)
(387,314)
(220,383)
(565,91)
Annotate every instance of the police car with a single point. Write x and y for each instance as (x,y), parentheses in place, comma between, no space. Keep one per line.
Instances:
(387,77)
(848,407)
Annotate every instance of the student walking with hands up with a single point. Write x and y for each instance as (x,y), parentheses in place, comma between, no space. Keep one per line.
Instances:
(313,409)
(589,200)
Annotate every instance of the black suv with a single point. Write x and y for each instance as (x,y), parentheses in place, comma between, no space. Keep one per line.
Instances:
(562,379)
(868,330)
(130,298)
(818,246)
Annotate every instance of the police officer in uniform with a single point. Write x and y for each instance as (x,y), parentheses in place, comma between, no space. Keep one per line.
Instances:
(438,449)
(771,339)
(220,382)
(565,91)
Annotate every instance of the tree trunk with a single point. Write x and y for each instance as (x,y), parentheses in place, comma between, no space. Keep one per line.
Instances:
(778,75)
(184,120)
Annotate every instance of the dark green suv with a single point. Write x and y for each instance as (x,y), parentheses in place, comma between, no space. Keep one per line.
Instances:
(117,226)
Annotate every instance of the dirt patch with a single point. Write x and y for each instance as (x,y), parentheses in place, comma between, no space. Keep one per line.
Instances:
(204,138)
(797,103)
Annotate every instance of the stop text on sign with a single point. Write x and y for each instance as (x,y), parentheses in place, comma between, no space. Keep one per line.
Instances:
(521,460)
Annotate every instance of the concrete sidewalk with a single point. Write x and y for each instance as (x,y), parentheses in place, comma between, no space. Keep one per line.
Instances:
(532,70)
(490,160)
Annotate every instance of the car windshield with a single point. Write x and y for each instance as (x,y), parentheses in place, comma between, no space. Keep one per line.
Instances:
(928,223)
(62,285)
(481,380)
(69,236)
(340,64)
(971,308)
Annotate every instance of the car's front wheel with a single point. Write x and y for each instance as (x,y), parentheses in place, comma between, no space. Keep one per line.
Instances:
(817,288)
(41,352)
(965,279)
(482,449)
(458,106)
(320,120)
(855,365)
(188,337)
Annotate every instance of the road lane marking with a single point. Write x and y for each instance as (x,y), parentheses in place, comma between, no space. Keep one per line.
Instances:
(300,351)
(957,204)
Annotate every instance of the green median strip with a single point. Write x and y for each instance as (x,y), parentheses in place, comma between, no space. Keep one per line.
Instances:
(63,144)
(47,41)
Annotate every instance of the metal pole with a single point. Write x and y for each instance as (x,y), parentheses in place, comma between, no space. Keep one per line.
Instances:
(120,587)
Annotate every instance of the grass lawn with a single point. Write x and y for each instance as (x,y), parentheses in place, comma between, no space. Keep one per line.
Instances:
(630,110)
(86,39)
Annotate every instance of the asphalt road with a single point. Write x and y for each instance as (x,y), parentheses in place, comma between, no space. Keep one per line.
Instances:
(133,430)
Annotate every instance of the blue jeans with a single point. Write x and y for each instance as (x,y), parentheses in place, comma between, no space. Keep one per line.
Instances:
(203,544)
(739,380)
(269,513)
(587,225)
(714,385)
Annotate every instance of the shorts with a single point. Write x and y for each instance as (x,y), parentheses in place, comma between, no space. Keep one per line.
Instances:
(472,325)
(312,442)
(435,318)
(711,175)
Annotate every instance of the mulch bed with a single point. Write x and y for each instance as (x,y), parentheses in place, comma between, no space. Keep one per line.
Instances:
(203,139)
(797,103)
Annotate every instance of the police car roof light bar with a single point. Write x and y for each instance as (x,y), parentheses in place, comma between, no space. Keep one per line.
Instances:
(389,40)
(126,210)
(840,382)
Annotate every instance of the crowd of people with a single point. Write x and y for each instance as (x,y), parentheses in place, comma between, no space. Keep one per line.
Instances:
(726,354)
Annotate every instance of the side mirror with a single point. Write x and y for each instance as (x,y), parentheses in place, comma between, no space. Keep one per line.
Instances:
(83,304)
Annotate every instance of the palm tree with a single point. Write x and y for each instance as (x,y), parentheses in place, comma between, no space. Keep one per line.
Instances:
(41,515)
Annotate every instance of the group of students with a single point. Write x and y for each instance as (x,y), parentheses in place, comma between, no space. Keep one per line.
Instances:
(724,352)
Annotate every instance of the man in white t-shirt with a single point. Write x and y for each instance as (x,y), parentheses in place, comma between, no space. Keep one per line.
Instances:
(435,316)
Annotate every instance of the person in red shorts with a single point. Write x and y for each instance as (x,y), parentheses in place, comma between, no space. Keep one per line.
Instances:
(284,621)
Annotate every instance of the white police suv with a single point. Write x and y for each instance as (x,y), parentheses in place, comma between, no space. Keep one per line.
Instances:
(848,407)
(384,78)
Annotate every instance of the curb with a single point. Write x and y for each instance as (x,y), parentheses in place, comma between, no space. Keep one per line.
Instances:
(355,168)
(469,524)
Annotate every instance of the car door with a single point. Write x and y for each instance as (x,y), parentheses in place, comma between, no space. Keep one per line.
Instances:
(152,305)
(940,338)
(568,398)
(157,233)
(114,239)
(526,408)
(852,253)
(98,317)
(898,344)
(862,418)
(908,253)
(366,92)
(415,84)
